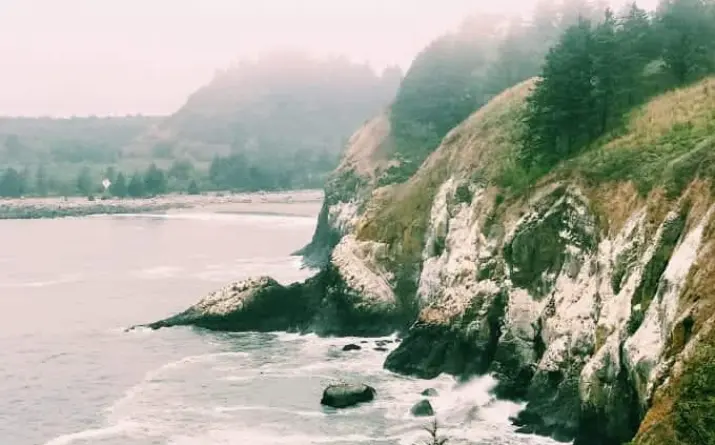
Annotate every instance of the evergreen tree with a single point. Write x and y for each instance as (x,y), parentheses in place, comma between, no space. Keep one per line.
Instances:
(136,186)
(687,28)
(155,182)
(11,184)
(560,110)
(85,183)
(607,76)
(119,186)
(111,174)
(638,46)
(42,186)
(193,188)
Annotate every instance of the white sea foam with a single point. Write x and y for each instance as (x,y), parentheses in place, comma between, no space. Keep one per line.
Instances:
(122,428)
(62,279)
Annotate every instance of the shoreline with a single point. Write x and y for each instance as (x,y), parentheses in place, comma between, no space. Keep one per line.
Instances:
(291,203)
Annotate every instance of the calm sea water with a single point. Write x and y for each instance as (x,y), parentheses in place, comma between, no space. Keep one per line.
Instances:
(71,375)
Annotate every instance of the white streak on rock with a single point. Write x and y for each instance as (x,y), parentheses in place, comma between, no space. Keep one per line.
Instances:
(359,264)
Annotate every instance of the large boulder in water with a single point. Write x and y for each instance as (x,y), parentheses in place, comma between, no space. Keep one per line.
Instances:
(430,392)
(351,347)
(423,408)
(344,395)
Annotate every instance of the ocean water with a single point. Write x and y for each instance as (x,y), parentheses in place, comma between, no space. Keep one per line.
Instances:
(71,375)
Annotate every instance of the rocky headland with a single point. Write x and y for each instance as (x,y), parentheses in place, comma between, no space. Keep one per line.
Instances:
(589,295)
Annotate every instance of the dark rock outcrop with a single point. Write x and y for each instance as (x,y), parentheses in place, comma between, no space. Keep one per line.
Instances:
(323,304)
(429,392)
(423,408)
(346,395)
(351,347)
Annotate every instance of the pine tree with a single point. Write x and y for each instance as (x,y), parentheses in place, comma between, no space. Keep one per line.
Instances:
(136,186)
(638,46)
(118,188)
(193,188)
(687,28)
(85,182)
(42,186)
(11,184)
(155,182)
(607,77)
(560,111)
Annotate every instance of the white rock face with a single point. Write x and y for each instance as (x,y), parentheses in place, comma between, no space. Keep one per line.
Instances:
(360,263)
(584,317)
(343,216)
(449,281)
(645,348)
(232,297)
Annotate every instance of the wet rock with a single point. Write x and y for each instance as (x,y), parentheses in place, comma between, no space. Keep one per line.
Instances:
(381,349)
(345,395)
(423,408)
(351,347)
(430,392)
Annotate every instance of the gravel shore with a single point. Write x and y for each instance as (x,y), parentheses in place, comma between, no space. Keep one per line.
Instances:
(297,203)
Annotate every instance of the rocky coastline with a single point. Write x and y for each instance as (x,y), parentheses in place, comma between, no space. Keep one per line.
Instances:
(586,301)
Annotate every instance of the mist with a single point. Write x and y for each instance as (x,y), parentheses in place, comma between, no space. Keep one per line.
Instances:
(83,57)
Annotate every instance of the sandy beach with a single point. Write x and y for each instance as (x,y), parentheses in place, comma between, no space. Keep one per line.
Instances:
(295,203)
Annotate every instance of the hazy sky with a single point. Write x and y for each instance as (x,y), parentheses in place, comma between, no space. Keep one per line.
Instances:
(108,57)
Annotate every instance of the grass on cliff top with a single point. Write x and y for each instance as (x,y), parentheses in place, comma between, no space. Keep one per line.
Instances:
(668,143)
(475,148)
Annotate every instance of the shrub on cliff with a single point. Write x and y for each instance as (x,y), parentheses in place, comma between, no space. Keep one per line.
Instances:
(694,409)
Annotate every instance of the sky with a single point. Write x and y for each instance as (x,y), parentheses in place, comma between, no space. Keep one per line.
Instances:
(118,57)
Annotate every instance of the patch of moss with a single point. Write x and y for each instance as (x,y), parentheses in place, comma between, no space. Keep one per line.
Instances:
(694,410)
(538,250)
(463,194)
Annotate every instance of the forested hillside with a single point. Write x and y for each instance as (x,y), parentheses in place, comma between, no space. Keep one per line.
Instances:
(460,72)
(280,122)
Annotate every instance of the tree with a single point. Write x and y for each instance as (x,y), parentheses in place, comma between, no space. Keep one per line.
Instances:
(687,28)
(559,117)
(182,169)
(118,187)
(136,186)
(11,184)
(154,181)
(111,174)
(637,43)
(193,188)
(606,75)
(42,186)
(85,182)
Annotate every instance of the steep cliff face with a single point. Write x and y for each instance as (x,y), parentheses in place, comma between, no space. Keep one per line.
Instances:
(578,294)
(589,294)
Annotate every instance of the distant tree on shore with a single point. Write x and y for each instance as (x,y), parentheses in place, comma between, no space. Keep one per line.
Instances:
(119,186)
(12,184)
(136,186)
(193,188)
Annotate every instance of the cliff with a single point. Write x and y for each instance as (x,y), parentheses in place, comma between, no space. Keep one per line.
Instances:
(587,291)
